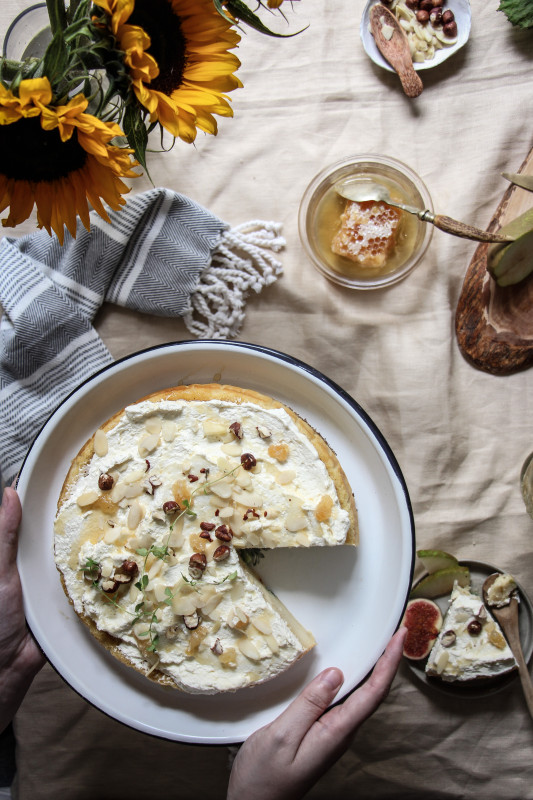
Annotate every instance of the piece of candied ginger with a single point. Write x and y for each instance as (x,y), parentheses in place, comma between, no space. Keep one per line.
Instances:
(368,232)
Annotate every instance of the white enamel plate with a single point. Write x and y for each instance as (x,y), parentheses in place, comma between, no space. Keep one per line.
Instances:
(352,599)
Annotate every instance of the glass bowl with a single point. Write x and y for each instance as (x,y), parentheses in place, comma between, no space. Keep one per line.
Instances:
(320,220)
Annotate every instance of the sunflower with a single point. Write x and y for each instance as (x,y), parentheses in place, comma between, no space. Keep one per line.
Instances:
(57,158)
(177,55)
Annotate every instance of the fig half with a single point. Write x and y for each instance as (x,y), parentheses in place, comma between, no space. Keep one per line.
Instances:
(423,621)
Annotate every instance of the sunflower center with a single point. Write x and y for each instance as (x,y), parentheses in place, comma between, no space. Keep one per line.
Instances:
(28,153)
(168,44)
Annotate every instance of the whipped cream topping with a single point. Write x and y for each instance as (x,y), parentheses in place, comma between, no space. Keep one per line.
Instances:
(218,629)
(470,644)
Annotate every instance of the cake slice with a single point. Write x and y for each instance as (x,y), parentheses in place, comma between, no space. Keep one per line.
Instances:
(470,645)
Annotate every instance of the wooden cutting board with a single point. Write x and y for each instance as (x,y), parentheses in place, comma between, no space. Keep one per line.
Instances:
(494,325)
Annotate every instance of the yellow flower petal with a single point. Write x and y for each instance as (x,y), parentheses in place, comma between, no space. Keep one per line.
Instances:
(80,166)
(185,88)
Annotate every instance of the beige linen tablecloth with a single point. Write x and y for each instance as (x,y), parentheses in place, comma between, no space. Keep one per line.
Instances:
(460,435)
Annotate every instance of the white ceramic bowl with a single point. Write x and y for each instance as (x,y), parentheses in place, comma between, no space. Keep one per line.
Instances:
(463,17)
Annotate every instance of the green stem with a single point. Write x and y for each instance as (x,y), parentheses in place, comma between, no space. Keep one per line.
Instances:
(8,69)
(57,15)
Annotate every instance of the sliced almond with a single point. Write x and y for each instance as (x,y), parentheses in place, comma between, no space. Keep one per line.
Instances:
(133,490)
(262,622)
(112,535)
(226,513)
(286,476)
(101,445)
(222,489)
(249,649)
(231,449)
(117,492)
(272,642)
(169,430)
(87,499)
(295,522)
(243,479)
(184,604)
(213,427)
(147,443)
(135,515)
(153,425)
(249,499)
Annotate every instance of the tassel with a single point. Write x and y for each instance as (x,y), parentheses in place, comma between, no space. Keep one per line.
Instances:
(243,260)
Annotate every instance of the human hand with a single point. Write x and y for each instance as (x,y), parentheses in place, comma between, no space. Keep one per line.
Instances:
(284,759)
(20,658)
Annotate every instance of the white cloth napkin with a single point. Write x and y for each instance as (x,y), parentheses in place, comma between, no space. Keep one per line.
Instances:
(161,254)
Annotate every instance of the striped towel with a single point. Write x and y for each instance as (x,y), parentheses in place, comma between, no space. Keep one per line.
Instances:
(161,254)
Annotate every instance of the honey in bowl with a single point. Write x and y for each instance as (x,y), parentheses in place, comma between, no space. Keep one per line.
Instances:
(365,244)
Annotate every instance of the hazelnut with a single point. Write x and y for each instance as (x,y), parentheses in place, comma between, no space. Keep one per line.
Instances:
(474,627)
(447,16)
(109,586)
(106,482)
(171,507)
(435,16)
(191,620)
(207,526)
(217,648)
(197,565)
(263,432)
(173,632)
(450,30)
(205,535)
(248,461)
(236,429)
(121,578)
(92,574)
(448,638)
(422,17)
(426,5)
(193,478)
(412,4)
(224,533)
(221,553)
(129,567)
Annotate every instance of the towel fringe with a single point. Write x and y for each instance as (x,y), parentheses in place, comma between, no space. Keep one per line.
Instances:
(243,260)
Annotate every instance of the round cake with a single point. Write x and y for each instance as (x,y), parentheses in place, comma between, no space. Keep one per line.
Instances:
(162,515)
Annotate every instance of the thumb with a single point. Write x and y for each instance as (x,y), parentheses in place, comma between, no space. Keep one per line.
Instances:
(310,704)
(10,516)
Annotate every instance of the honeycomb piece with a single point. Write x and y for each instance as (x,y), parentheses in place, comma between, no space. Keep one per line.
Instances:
(368,233)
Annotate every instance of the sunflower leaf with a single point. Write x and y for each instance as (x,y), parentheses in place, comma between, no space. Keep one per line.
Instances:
(56,59)
(239,10)
(136,133)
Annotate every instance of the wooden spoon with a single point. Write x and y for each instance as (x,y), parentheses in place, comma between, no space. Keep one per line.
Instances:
(395,49)
(507,616)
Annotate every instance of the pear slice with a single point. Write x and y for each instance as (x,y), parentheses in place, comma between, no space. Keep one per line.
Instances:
(441,582)
(511,263)
(434,560)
